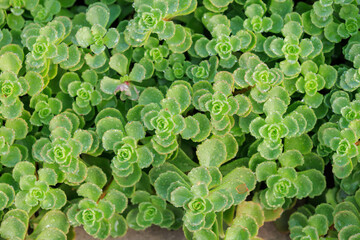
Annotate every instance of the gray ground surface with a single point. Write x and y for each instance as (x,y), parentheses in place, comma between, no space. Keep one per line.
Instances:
(267,232)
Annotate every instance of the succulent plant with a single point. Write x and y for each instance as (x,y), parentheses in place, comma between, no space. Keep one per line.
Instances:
(212,116)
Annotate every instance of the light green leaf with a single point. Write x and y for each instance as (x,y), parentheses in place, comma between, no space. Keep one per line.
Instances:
(212,152)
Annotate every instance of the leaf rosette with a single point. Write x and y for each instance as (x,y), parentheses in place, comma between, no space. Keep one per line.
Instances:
(292,48)
(38,193)
(205,70)
(202,192)
(126,157)
(45,109)
(177,67)
(14,224)
(151,210)
(11,88)
(314,79)
(44,13)
(349,110)
(258,76)
(342,143)
(46,44)
(98,218)
(17,7)
(154,17)
(97,37)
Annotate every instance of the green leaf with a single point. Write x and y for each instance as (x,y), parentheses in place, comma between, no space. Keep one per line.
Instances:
(162,183)
(12,111)
(85,138)
(248,222)
(348,231)
(292,28)
(108,123)
(231,145)
(60,198)
(150,95)
(53,219)
(13,227)
(12,157)
(290,69)
(118,226)
(317,179)
(302,143)
(130,180)
(178,37)
(181,94)
(10,62)
(89,190)
(111,138)
(118,199)
(96,176)
(79,175)
(243,179)
(251,209)
(320,223)
(135,129)
(145,157)
(274,105)
(66,79)
(212,152)
(109,85)
(23,169)
(345,218)
(98,13)
(138,73)
(35,82)
(74,58)
(7,195)
(84,37)
(291,158)
(48,175)
(192,128)
(119,63)
(205,127)
(52,233)
(19,126)
(96,61)
(61,121)
(111,38)
(265,170)
(180,196)
(329,73)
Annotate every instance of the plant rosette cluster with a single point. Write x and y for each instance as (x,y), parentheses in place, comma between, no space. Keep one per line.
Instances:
(150,210)
(99,210)
(275,126)
(61,152)
(288,181)
(255,74)
(342,145)
(213,116)
(341,104)
(86,93)
(218,101)
(35,191)
(336,221)
(202,193)
(154,18)
(97,37)
(12,88)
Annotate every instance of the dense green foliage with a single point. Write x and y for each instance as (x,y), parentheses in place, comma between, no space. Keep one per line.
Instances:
(214,116)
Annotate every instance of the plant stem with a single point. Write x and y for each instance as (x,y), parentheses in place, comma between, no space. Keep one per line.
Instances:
(106,189)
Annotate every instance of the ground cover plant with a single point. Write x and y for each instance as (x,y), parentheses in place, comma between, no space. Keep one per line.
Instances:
(214,116)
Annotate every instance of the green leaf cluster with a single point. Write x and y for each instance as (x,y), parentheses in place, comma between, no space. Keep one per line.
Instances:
(214,116)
